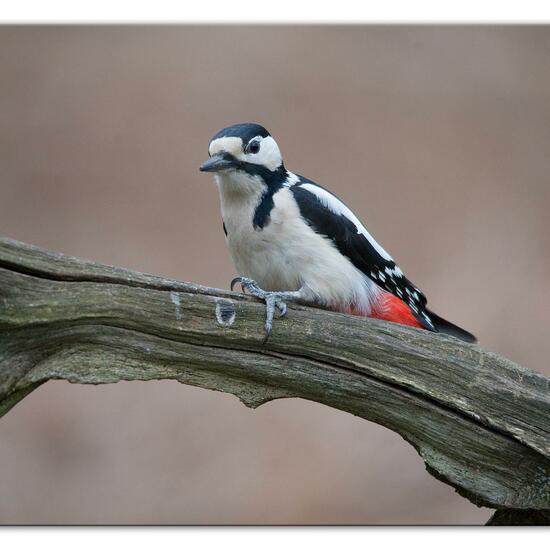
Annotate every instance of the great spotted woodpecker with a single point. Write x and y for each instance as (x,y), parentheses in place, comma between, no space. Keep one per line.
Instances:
(291,239)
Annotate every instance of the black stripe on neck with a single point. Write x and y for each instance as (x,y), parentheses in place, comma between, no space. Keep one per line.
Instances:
(274,181)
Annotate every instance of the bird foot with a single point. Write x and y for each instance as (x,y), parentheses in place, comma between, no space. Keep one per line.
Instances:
(273,300)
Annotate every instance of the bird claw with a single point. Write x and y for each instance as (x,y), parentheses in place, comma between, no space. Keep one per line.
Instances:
(247,284)
(273,301)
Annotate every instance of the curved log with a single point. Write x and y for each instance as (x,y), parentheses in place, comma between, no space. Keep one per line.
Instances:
(480,422)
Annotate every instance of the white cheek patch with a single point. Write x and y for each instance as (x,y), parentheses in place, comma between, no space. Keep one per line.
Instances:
(269,154)
(232,145)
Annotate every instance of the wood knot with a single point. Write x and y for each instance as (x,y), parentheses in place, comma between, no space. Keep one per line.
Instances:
(225,313)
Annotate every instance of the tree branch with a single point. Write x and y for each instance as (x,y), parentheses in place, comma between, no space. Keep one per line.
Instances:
(480,422)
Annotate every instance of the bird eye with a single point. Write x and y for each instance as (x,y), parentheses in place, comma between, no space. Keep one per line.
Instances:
(253,147)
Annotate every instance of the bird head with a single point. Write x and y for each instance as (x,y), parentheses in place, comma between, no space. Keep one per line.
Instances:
(245,154)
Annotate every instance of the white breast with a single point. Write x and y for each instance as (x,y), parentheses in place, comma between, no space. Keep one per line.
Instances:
(287,253)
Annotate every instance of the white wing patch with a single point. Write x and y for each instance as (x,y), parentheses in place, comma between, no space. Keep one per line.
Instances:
(338,207)
(291,179)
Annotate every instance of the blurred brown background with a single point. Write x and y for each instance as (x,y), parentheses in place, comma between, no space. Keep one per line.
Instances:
(438,137)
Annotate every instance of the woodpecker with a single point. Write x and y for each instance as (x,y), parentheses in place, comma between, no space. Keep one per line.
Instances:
(291,239)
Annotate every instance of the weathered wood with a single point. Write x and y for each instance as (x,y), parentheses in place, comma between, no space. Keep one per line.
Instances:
(480,422)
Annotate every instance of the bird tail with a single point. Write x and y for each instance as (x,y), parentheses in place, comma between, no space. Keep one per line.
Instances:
(395,310)
(446,327)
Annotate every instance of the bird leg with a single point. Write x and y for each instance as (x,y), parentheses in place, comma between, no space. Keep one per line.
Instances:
(273,300)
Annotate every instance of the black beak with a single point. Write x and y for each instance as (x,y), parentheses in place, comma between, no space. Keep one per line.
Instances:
(216,163)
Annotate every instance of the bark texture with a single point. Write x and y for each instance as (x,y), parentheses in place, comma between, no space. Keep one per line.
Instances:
(480,422)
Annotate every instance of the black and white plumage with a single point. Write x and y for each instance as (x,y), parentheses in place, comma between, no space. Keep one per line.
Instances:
(292,239)
(328,216)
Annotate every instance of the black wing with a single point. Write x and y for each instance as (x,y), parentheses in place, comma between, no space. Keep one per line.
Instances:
(329,216)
